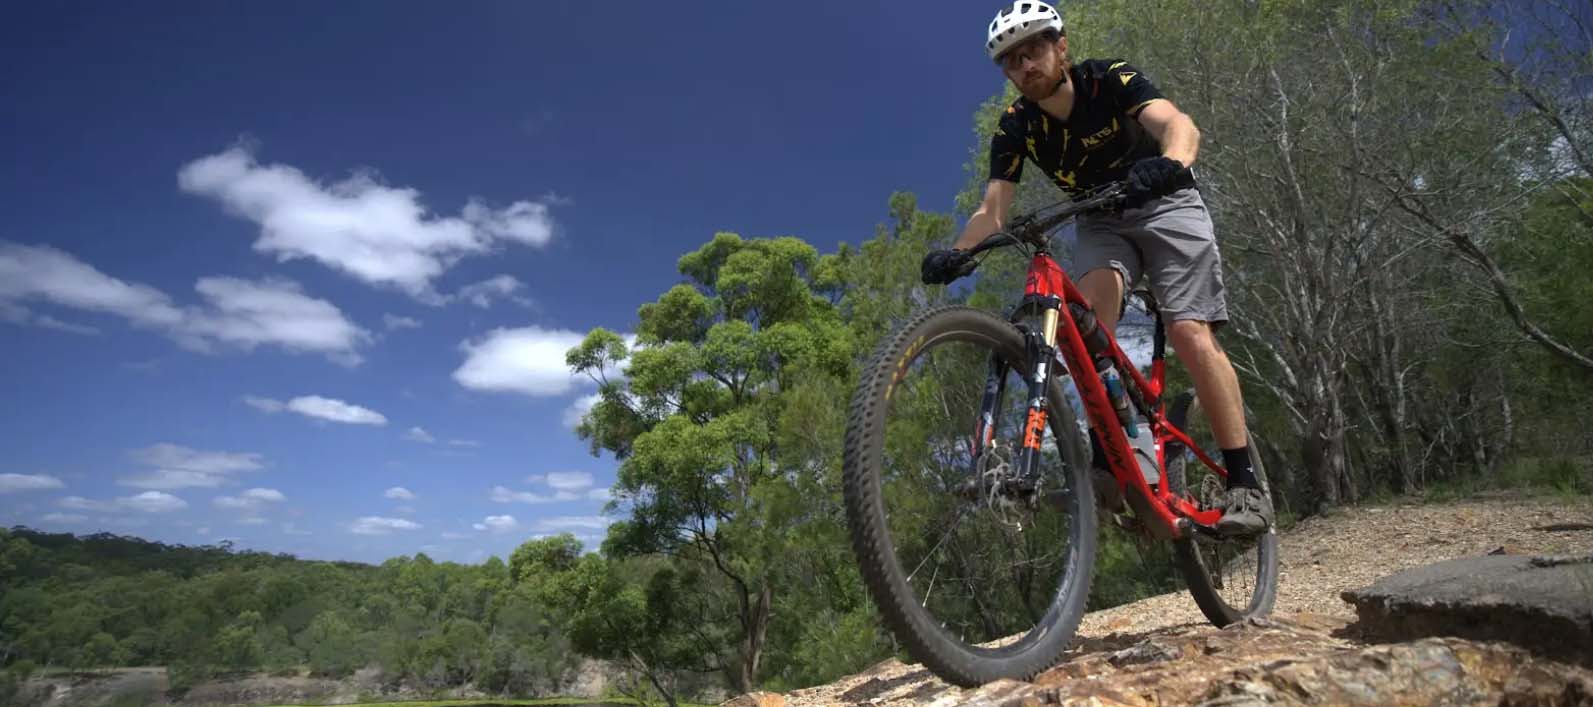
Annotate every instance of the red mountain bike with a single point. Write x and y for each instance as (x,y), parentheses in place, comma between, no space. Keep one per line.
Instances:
(975,536)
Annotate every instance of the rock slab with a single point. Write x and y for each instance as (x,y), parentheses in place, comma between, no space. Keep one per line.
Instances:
(1543,604)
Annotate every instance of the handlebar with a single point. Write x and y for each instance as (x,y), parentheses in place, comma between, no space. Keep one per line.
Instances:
(1031,228)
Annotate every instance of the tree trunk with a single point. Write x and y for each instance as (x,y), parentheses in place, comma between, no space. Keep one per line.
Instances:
(752,646)
(1323,452)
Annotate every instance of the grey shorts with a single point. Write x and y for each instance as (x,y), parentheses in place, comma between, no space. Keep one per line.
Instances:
(1169,240)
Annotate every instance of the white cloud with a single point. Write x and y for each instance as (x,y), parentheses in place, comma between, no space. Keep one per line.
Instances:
(376,525)
(568,480)
(573,522)
(78,503)
(579,409)
(179,467)
(289,528)
(399,493)
(406,510)
(65,517)
(497,524)
(321,408)
(265,495)
(601,494)
(49,322)
(525,222)
(175,456)
(12,483)
(529,360)
(252,520)
(463,443)
(335,410)
(251,500)
(202,530)
(447,535)
(148,502)
(43,272)
(248,313)
(393,321)
(483,293)
(501,494)
(241,314)
(419,434)
(169,479)
(379,234)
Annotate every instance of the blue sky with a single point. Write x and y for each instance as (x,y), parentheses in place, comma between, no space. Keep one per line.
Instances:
(301,275)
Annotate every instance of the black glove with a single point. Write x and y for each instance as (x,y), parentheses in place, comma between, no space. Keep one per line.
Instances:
(940,267)
(1152,177)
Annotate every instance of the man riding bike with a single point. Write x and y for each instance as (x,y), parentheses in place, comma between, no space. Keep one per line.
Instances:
(1100,122)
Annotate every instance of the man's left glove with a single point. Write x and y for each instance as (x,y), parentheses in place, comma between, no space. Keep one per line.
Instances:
(940,267)
(1150,178)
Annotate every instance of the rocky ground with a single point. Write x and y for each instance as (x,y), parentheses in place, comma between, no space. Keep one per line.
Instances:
(1160,651)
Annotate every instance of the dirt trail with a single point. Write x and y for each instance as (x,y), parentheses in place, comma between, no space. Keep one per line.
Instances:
(1159,650)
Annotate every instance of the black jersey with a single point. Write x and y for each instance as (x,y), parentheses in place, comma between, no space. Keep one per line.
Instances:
(1098,142)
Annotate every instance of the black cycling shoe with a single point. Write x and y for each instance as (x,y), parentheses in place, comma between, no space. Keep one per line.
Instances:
(1246,512)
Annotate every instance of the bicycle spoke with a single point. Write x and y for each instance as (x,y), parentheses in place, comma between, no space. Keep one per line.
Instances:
(985,564)
(954,523)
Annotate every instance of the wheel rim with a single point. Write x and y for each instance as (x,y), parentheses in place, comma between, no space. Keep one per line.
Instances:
(986,568)
(1234,567)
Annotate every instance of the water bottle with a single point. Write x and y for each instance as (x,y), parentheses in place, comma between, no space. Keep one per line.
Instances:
(1119,397)
(1095,342)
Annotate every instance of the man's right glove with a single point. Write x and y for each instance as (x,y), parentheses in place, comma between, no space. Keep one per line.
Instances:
(940,267)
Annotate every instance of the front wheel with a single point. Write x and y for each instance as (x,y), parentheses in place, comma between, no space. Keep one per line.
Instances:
(1231,579)
(979,581)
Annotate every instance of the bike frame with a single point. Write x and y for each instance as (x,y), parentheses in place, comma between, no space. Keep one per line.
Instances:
(1048,288)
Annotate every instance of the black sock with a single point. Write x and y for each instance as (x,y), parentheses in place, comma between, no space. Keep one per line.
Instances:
(1240,473)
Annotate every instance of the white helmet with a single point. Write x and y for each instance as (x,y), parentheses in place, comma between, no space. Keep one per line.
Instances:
(1023,20)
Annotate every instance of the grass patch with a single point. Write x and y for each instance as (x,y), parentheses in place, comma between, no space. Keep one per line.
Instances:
(1566,477)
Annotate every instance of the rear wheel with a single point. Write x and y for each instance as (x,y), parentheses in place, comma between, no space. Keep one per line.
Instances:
(1231,579)
(979,580)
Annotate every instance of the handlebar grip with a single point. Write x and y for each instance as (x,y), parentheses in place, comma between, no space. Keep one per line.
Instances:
(967,268)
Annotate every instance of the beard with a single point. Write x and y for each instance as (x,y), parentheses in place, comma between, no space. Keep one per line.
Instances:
(1040,85)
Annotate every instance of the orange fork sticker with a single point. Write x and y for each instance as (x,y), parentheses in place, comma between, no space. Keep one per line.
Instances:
(1035,428)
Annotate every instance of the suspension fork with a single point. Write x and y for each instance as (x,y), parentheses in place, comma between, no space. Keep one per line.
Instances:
(995,389)
(1041,348)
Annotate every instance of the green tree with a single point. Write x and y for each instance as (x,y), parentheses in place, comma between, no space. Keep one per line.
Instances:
(543,556)
(237,645)
(331,646)
(694,421)
(97,652)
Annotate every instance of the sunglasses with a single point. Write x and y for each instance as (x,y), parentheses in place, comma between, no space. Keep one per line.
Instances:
(1030,50)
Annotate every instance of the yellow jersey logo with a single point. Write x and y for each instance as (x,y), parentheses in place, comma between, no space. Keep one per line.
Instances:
(1101,136)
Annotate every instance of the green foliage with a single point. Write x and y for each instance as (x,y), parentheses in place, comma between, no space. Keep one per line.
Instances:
(543,556)
(835,644)
(10,684)
(102,601)
(696,424)
(183,676)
